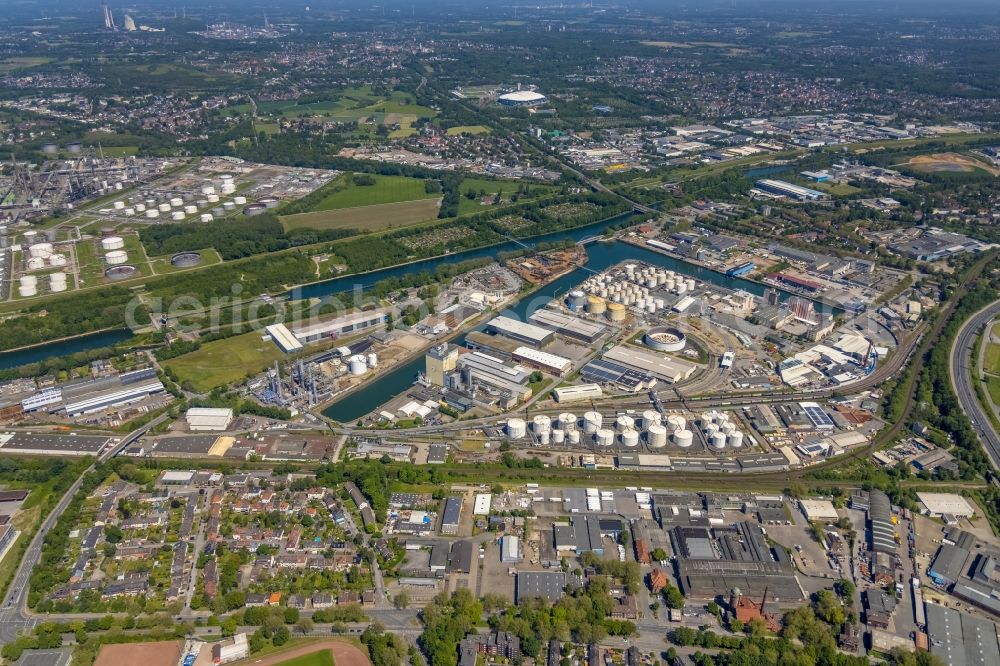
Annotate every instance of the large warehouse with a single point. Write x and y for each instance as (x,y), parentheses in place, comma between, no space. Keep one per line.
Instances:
(522,98)
(528,334)
(571,327)
(663,367)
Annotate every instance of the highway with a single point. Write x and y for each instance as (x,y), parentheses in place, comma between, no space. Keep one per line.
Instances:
(964,376)
(14,615)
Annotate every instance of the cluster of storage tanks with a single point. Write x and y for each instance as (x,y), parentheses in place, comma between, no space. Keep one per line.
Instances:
(626,429)
(719,431)
(359,364)
(42,255)
(28,284)
(180,207)
(634,288)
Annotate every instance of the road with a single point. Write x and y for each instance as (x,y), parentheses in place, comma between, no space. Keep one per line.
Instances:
(963,378)
(15,616)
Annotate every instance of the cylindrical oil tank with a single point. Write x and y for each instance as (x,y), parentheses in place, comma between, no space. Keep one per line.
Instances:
(717,441)
(212,198)
(119,205)
(616,312)
(270,202)
(516,428)
(358,364)
(711,429)
(176,201)
(573,436)
(689,283)
(592,421)
(35,263)
(116,257)
(541,423)
(228,188)
(707,418)
(656,435)
(208,189)
(190,210)
(28,281)
(630,438)
(625,422)
(57,281)
(558,436)
(163,208)
(40,250)
(596,305)
(676,422)
(605,437)
(650,417)
(681,288)
(229,206)
(206,217)
(140,208)
(684,438)
(669,284)
(152,213)
(567,421)
(27,290)
(735,439)
(544,438)
(239,201)
(576,300)
(57,260)
(177,215)
(372,360)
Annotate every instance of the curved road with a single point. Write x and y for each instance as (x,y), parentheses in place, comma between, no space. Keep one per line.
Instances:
(964,377)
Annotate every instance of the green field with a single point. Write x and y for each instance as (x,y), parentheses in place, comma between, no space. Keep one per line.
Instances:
(320,658)
(225,361)
(387,189)
(366,218)
(836,189)
(991,359)
(468,129)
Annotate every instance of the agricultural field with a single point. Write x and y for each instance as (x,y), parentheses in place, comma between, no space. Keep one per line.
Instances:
(387,189)
(468,129)
(377,217)
(225,361)
(949,163)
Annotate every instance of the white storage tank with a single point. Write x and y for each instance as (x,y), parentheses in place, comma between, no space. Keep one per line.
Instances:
(212,198)
(736,439)
(177,215)
(689,283)
(208,189)
(516,428)
(57,260)
(190,210)
(229,206)
(650,417)
(605,437)
(358,365)
(544,438)
(630,438)
(163,208)
(28,281)
(176,201)
(717,441)
(57,281)
(152,213)
(119,205)
(116,257)
(372,360)
(541,423)
(206,217)
(558,436)
(112,243)
(27,290)
(573,436)
(239,201)
(625,422)
(656,436)
(228,188)
(129,212)
(40,250)
(35,263)
(707,418)
(592,421)
(140,208)
(676,422)
(684,438)
(567,421)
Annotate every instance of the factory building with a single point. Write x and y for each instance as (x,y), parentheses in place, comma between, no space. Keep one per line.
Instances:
(544,361)
(439,361)
(796,192)
(477,370)
(662,367)
(578,392)
(208,418)
(527,334)
(566,325)
(282,337)
(94,396)
(335,328)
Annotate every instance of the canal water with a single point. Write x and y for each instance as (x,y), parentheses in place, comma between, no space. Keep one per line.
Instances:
(13,359)
(600,257)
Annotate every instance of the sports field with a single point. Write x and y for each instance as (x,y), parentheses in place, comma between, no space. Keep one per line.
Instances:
(468,129)
(366,218)
(225,361)
(319,658)
(313,653)
(387,189)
